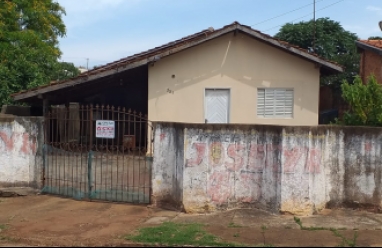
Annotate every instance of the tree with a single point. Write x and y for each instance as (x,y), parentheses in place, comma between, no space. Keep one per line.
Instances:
(29,52)
(64,70)
(375,38)
(365,102)
(332,42)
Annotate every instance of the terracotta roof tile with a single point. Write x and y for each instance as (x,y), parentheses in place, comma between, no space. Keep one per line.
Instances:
(171,45)
(375,43)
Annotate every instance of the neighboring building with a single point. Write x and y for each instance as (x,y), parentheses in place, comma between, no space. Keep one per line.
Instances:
(371,59)
(231,75)
(82,69)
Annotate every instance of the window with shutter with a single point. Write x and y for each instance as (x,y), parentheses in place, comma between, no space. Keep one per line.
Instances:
(275,103)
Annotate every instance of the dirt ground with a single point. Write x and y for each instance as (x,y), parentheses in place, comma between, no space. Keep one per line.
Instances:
(53,221)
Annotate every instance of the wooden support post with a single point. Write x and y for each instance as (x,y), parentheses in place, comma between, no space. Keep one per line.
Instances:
(91,127)
(47,120)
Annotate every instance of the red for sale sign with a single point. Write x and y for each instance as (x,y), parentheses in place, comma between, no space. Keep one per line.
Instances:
(105,129)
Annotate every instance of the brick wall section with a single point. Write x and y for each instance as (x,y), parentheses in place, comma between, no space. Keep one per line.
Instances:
(371,63)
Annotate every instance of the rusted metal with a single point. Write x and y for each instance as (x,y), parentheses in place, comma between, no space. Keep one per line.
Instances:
(81,163)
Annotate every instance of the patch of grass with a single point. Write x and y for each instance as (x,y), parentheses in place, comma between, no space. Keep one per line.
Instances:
(263,229)
(298,221)
(262,245)
(236,235)
(344,242)
(9,239)
(315,228)
(233,225)
(171,234)
(311,228)
(2,237)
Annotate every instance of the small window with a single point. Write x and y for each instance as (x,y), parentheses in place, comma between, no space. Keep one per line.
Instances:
(275,103)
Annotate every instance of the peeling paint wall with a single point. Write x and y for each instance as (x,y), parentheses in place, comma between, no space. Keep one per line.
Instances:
(291,169)
(21,140)
(230,168)
(167,173)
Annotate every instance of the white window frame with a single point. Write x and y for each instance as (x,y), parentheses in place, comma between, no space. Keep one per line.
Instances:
(274,115)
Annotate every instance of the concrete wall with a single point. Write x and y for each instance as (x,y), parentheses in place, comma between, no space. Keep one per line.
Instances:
(240,63)
(291,169)
(21,141)
(371,63)
(167,174)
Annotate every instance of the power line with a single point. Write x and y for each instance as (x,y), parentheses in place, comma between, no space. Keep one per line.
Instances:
(306,15)
(302,7)
(83,58)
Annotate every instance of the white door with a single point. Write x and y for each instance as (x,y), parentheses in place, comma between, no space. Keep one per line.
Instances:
(217,105)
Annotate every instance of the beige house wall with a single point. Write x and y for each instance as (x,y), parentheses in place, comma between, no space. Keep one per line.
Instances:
(240,63)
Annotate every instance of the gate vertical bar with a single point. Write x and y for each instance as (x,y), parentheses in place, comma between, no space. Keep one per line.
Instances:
(139,157)
(90,152)
(125,176)
(109,157)
(46,125)
(90,180)
(119,189)
(134,133)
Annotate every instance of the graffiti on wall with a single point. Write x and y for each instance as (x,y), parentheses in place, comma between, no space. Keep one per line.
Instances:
(198,153)
(236,170)
(257,157)
(22,143)
(295,156)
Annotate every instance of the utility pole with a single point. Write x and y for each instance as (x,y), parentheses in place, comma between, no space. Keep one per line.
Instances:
(314,26)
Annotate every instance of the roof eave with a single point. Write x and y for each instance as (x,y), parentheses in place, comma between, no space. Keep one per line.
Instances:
(365,46)
(123,67)
(167,51)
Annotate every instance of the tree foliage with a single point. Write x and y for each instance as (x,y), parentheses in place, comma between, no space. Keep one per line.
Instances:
(29,52)
(375,38)
(332,42)
(365,102)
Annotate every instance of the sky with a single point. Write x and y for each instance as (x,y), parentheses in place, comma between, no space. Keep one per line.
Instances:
(102,31)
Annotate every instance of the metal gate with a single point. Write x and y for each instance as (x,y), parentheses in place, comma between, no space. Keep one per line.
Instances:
(97,153)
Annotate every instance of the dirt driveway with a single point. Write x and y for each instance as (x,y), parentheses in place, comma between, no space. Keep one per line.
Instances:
(53,221)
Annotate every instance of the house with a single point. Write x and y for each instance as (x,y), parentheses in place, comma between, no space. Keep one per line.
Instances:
(234,74)
(371,58)
(96,148)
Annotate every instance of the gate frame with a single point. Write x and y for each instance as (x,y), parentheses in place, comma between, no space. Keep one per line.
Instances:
(92,147)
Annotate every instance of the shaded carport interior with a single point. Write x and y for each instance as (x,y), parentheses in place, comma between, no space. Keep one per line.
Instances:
(127,89)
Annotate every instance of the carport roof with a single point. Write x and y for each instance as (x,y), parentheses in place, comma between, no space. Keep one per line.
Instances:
(157,53)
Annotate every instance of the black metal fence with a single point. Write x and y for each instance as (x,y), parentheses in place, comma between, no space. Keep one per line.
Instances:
(97,153)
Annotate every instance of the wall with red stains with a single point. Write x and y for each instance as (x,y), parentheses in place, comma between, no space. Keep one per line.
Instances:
(20,151)
(233,167)
(167,169)
(299,170)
